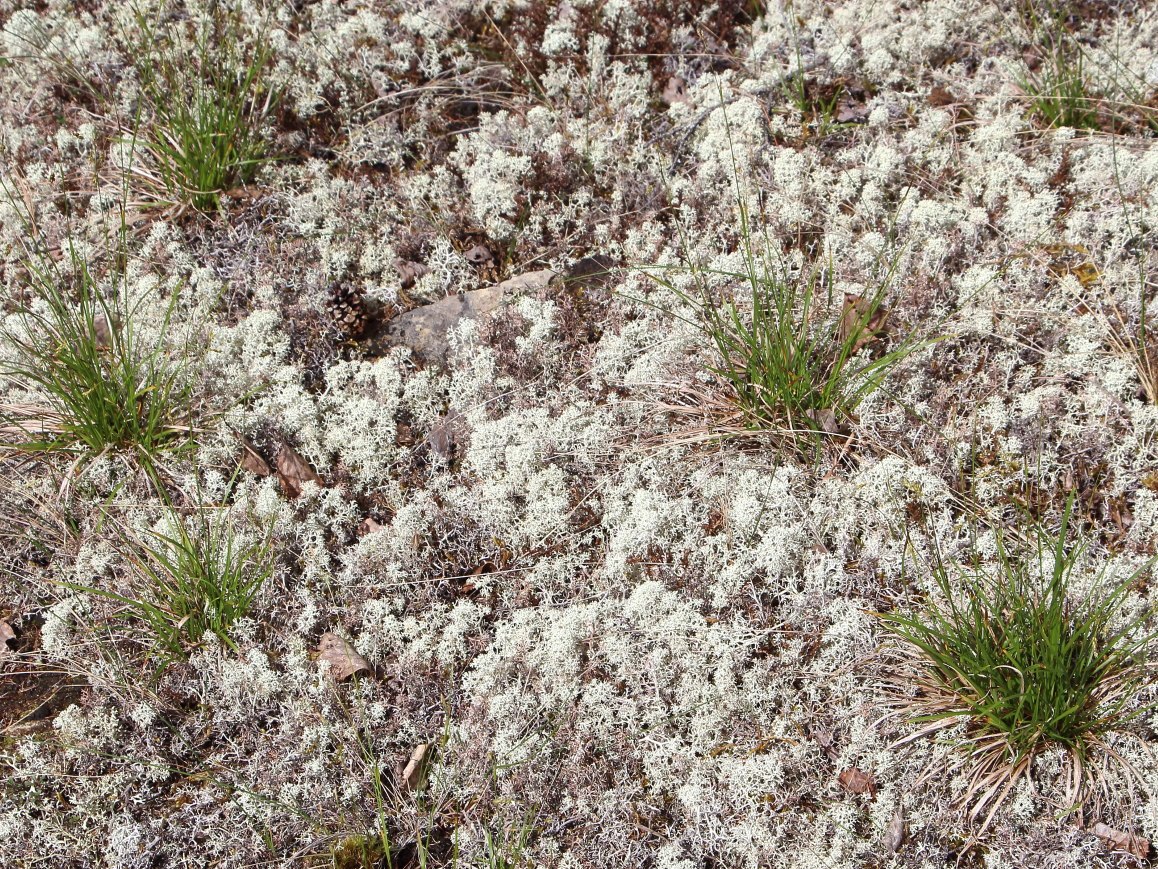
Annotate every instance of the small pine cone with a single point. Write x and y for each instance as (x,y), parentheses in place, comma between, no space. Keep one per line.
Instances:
(348,310)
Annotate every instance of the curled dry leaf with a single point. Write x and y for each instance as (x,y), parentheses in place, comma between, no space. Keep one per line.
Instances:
(7,635)
(409,272)
(859,313)
(479,255)
(675,91)
(344,660)
(294,472)
(856,781)
(1116,840)
(415,771)
(895,834)
(368,526)
(252,461)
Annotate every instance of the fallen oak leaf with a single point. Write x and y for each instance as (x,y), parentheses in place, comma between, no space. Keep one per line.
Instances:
(343,658)
(1116,840)
(862,321)
(294,472)
(857,781)
(252,461)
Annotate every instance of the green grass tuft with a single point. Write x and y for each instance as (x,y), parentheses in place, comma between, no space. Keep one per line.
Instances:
(99,385)
(1061,91)
(208,102)
(788,366)
(1025,665)
(198,577)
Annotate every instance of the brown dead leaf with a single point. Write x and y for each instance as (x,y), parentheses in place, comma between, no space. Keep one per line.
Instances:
(294,472)
(479,255)
(409,272)
(368,526)
(1116,840)
(7,635)
(859,313)
(252,461)
(856,781)
(895,834)
(675,91)
(414,774)
(343,658)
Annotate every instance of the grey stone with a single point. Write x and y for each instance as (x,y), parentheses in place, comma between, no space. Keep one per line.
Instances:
(424,329)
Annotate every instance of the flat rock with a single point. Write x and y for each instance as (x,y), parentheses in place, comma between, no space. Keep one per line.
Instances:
(424,329)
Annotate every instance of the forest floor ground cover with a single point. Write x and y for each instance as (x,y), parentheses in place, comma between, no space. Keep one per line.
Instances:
(531,433)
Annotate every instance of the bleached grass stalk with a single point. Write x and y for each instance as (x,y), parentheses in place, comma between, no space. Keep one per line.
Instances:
(1026,666)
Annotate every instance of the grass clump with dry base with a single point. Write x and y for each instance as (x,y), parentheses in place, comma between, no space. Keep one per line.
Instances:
(1026,664)
(199,576)
(208,102)
(787,366)
(99,385)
